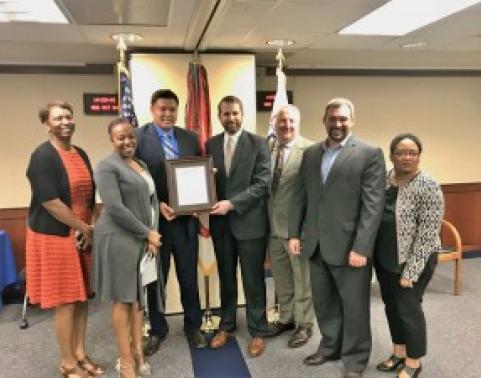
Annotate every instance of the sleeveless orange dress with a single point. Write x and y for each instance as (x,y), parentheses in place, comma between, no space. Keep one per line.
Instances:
(57,273)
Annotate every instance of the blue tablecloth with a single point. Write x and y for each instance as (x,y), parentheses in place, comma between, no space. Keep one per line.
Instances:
(8,271)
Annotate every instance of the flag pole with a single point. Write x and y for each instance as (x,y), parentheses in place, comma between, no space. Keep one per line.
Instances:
(280,59)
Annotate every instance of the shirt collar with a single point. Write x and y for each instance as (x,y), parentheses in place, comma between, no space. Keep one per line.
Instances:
(339,146)
(164,132)
(234,137)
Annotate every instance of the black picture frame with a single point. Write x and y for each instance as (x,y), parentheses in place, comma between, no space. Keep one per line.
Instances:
(183,193)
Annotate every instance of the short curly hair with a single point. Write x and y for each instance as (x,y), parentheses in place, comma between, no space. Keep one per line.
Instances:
(44,112)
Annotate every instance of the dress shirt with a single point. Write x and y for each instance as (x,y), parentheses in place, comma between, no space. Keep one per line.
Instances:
(168,141)
(235,139)
(287,151)
(329,157)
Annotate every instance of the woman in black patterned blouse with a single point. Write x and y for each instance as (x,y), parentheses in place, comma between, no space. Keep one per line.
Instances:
(405,253)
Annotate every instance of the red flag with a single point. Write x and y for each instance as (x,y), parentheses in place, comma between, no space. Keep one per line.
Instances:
(197,112)
(197,119)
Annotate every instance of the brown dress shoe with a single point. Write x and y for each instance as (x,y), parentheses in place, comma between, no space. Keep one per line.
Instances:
(219,340)
(256,347)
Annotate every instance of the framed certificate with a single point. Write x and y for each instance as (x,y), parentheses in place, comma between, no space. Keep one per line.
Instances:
(191,185)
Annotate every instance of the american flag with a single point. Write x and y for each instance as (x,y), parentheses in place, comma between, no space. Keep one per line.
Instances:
(126,106)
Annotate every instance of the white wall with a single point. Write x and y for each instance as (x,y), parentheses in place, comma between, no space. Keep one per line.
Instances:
(21,96)
(227,75)
(445,112)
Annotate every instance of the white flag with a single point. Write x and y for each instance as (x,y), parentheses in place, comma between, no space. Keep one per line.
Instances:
(279,101)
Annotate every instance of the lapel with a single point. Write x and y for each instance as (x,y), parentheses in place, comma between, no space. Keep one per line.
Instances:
(217,152)
(137,180)
(240,147)
(154,143)
(294,156)
(317,160)
(343,156)
(182,146)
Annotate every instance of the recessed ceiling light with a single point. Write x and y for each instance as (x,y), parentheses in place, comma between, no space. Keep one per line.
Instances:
(280,42)
(400,17)
(45,11)
(127,37)
(413,45)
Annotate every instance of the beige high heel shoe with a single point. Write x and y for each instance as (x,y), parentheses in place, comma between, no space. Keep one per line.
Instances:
(125,369)
(143,369)
(73,372)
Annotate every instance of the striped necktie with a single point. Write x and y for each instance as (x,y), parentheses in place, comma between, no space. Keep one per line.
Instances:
(276,177)
(169,150)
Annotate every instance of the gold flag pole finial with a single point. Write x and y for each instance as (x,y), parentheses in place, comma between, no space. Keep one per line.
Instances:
(122,47)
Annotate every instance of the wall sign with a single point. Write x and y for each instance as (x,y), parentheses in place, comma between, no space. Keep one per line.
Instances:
(101,104)
(265,100)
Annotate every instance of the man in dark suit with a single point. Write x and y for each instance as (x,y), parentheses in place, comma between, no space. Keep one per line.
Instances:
(157,142)
(333,220)
(238,222)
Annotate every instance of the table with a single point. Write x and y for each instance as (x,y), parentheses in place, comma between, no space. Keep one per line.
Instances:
(8,270)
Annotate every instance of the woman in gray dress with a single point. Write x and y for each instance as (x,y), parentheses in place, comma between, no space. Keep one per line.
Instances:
(125,230)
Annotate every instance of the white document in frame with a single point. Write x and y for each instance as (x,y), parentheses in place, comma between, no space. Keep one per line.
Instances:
(191,185)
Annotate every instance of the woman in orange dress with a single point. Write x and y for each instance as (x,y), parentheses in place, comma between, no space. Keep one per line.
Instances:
(58,265)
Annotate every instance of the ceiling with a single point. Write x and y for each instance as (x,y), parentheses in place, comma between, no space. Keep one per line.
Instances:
(244,26)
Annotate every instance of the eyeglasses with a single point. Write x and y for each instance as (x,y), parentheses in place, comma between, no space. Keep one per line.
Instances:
(406,153)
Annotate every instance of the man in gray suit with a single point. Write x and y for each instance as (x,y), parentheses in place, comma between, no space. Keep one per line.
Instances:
(238,222)
(291,272)
(334,219)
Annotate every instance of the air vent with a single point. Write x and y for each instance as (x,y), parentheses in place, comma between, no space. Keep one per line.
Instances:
(118,12)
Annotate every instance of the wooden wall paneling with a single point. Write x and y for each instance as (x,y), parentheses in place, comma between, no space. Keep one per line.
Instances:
(13,221)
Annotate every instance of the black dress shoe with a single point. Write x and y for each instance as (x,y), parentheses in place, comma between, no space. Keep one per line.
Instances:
(316,359)
(152,344)
(393,363)
(410,371)
(300,337)
(197,339)
(278,328)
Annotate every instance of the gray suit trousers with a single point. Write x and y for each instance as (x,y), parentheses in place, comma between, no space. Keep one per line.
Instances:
(341,302)
(293,286)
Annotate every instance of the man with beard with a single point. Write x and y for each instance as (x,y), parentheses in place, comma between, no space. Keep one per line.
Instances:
(238,222)
(336,211)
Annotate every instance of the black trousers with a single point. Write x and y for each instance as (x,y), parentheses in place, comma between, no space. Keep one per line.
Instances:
(403,307)
(179,239)
(251,254)
(341,298)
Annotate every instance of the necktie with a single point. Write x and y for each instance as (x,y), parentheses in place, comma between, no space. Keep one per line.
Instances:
(276,177)
(169,150)
(229,152)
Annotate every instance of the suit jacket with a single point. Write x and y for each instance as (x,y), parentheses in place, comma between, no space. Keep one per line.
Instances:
(246,187)
(344,213)
(278,205)
(149,149)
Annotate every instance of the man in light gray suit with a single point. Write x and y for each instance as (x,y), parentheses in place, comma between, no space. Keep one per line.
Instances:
(291,272)
(334,218)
